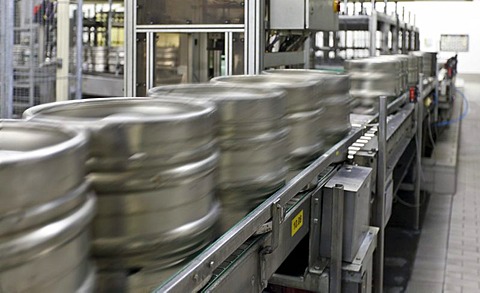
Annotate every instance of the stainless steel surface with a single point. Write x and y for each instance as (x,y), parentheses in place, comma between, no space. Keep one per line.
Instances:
(46,209)
(152,164)
(356,182)
(337,232)
(374,77)
(303,113)
(252,138)
(198,272)
(333,96)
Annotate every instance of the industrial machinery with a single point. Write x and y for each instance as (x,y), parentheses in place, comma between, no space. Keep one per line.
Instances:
(42,69)
(218,37)
(156,163)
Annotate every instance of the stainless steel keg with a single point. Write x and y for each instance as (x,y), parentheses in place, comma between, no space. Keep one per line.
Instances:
(152,164)
(116,59)
(303,113)
(99,58)
(333,96)
(253,142)
(46,209)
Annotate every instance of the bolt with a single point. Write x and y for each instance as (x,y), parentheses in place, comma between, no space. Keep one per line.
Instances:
(316,201)
(315,221)
(252,280)
(196,277)
(317,268)
(211,263)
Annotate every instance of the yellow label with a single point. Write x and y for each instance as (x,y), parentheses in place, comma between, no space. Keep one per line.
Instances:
(297,223)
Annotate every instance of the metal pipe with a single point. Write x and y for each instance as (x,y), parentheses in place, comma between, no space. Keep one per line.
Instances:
(79,47)
(130,25)
(109,23)
(419,138)
(379,215)
(6,61)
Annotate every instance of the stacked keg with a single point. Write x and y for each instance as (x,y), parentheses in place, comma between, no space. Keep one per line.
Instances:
(334,97)
(373,77)
(253,143)
(96,58)
(429,61)
(45,211)
(116,60)
(152,164)
(303,113)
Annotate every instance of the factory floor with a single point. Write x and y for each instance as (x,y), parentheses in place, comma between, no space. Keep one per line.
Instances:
(448,253)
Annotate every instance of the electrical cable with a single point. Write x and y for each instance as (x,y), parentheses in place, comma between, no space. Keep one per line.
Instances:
(466,109)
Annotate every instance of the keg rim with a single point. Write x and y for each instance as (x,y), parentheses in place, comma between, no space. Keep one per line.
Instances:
(216,92)
(76,139)
(44,113)
(262,80)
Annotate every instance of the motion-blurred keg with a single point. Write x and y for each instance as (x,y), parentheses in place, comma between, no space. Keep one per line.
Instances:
(334,97)
(429,60)
(116,59)
(403,81)
(303,113)
(45,211)
(253,142)
(414,65)
(152,164)
(373,77)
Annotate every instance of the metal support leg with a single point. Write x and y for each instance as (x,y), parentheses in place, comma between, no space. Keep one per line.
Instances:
(6,60)
(150,68)
(254,31)
(337,240)
(63,48)
(130,48)
(79,50)
(372,27)
(379,216)
(419,139)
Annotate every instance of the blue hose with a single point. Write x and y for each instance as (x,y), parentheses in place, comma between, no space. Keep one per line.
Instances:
(466,108)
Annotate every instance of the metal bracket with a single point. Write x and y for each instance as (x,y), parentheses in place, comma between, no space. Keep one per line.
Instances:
(278,217)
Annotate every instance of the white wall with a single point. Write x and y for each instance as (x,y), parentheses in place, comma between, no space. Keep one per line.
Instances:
(445,17)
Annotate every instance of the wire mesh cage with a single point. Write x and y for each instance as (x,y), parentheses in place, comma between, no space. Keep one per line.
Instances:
(44,53)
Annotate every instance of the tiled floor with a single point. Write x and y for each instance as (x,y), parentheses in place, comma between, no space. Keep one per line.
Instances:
(448,256)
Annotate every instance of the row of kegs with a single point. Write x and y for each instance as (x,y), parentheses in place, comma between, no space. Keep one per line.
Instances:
(102,59)
(387,75)
(149,182)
